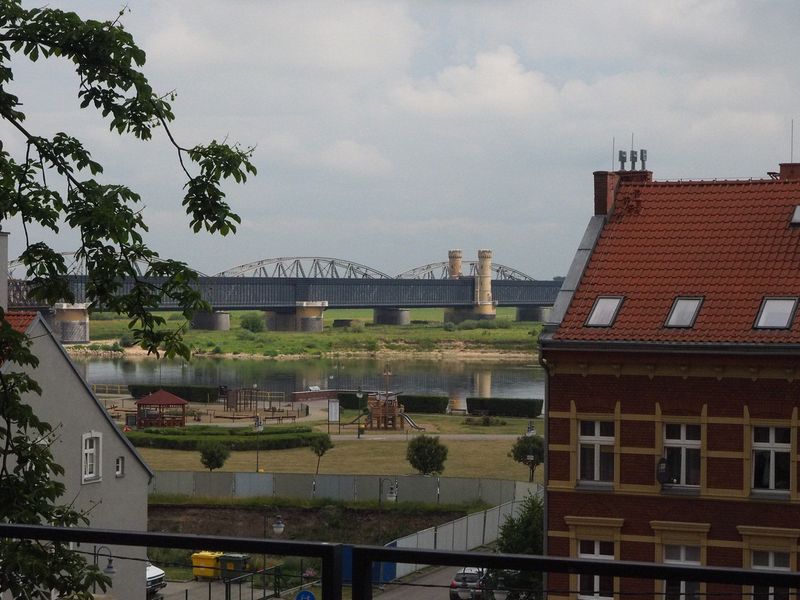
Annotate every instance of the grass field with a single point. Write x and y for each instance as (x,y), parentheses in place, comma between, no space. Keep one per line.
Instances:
(451,424)
(466,458)
(426,334)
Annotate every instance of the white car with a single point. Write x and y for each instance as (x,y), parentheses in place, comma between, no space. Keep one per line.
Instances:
(155,580)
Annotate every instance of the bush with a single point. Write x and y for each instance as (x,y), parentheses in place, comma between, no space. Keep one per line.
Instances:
(126,340)
(485,421)
(418,403)
(487,324)
(505,407)
(426,454)
(252,322)
(467,325)
(449,326)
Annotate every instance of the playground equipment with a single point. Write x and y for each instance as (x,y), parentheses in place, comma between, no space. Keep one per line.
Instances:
(384,411)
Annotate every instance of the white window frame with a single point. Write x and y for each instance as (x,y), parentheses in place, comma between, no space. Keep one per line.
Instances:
(768,592)
(595,555)
(597,442)
(685,594)
(773,448)
(91,457)
(119,466)
(763,311)
(594,320)
(676,310)
(683,444)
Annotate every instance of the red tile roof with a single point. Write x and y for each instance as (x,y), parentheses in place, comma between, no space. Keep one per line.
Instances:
(729,242)
(20,320)
(161,398)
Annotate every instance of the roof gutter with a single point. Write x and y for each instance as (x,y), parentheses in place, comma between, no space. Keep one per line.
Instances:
(547,343)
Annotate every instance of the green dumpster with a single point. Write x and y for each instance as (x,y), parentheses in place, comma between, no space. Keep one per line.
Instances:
(233,565)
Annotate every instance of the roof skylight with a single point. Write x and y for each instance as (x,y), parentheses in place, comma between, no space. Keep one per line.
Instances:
(684,312)
(796,216)
(776,313)
(604,311)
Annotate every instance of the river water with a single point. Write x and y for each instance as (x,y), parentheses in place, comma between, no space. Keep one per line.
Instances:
(457,380)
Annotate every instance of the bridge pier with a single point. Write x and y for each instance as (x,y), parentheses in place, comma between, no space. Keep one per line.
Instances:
(306,316)
(540,314)
(70,323)
(212,321)
(391,316)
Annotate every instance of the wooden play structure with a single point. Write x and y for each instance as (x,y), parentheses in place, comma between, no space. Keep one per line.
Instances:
(384,411)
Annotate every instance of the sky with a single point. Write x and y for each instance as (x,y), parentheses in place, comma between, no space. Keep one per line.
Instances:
(387,133)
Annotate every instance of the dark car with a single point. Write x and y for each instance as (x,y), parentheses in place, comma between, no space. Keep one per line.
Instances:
(467,584)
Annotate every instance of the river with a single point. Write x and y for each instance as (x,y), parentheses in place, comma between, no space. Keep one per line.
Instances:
(456,380)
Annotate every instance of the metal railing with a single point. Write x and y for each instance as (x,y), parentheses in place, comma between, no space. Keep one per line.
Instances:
(363,558)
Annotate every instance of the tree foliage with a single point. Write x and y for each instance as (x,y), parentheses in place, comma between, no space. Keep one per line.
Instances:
(523,534)
(213,454)
(55,182)
(252,322)
(528,446)
(426,454)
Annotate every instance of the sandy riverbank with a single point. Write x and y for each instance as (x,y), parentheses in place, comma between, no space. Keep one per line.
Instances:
(451,354)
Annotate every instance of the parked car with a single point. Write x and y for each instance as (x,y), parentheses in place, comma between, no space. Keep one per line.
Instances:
(155,580)
(467,584)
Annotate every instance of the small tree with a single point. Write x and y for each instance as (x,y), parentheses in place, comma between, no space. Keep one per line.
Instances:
(319,446)
(252,322)
(426,454)
(528,450)
(213,455)
(523,534)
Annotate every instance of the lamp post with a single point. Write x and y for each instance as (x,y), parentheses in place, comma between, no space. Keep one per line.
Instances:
(359,397)
(110,570)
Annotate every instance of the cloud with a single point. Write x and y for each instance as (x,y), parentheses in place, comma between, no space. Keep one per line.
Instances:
(497,83)
(351,157)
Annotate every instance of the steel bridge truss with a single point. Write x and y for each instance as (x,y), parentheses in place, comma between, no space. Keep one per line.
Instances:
(304,267)
(441,270)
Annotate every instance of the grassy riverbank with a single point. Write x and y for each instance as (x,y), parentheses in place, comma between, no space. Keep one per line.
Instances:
(426,334)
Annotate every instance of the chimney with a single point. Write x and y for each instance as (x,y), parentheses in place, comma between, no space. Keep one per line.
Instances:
(605,186)
(4,270)
(789,172)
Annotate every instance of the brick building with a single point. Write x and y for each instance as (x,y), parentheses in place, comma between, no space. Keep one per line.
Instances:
(673,383)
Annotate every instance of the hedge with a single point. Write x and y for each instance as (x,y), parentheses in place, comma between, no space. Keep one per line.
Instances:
(191,393)
(350,401)
(506,407)
(279,440)
(418,403)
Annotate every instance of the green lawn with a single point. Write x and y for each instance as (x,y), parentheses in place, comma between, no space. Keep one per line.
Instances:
(427,334)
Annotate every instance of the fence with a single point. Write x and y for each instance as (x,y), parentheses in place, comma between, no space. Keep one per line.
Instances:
(464,534)
(345,488)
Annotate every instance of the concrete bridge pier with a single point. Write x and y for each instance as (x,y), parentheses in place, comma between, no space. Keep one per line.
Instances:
(212,321)
(391,316)
(540,314)
(70,323)
(306,316)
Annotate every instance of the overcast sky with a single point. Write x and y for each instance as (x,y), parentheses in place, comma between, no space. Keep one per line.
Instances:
(388,133)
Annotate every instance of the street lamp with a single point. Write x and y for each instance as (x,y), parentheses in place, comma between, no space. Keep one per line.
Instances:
(359,397)
(258,428)
(110,570)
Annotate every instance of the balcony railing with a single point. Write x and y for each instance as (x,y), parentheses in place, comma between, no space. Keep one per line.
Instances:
(364,557)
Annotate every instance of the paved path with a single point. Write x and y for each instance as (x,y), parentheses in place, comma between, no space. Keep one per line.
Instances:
(433,585)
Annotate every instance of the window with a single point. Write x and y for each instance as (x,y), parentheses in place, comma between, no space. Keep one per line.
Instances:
(604,311)
(596,441)
(796,215)
(682,453)
(119,466)
(683,555)
(684,312)
(771,450)
(595,587)
(776,313)
(773,561)
(91,456)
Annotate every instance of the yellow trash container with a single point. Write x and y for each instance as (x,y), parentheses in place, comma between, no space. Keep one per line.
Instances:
(206,565)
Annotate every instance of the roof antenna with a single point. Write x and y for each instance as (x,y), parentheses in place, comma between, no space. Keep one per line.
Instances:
(613,150)
(634,155)
(623,156)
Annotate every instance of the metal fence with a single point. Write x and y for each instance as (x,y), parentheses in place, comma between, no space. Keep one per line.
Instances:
(345,488)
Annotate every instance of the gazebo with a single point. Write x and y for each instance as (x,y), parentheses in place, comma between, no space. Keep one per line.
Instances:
(161,409)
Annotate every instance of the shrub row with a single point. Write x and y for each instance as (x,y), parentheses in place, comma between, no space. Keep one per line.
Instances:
(505,407)
(278,441)
(222,432)
(419,403)
(191,393)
